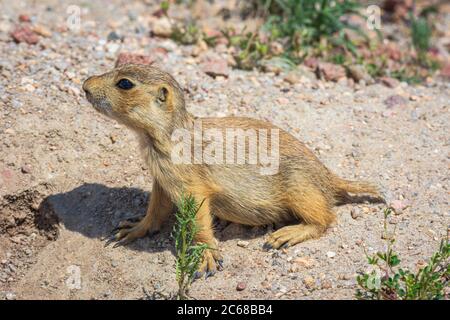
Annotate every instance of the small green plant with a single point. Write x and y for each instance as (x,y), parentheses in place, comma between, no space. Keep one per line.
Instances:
(306,23)
(186,34)
(421,36)
(389,282)
(188,254)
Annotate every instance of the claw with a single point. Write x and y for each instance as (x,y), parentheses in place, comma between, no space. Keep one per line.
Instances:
(285,246)
(267,246)
(209,273)
(122,242)
(109,240)
(198,275)
(220,264)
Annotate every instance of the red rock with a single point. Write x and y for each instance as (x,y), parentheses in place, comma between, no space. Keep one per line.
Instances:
(390,82)
(24,34)
(399,9)
(445,71)
(126,57)
(241,286)
(311,63)
(159,13)
(24,18)
(216,67)
(330,71)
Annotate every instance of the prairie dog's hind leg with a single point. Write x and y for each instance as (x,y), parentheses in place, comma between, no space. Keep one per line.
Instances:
(158,210)
(309,206)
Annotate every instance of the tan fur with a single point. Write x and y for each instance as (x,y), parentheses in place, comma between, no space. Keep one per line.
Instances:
(303,190)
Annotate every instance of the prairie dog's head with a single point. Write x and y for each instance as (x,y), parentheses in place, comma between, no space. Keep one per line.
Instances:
(140,96)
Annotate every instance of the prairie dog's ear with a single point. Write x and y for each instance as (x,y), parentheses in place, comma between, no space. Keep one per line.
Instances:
(163,94)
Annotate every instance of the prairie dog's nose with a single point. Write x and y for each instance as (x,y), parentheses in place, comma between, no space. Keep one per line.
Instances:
(87,83)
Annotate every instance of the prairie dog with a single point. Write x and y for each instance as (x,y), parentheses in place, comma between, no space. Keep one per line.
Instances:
(302,190)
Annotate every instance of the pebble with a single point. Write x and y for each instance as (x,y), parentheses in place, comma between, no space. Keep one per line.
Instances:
(162,27)
(24,34)
(390,82)
(355,213)
(283,101)
(326,284)
(10,296)
(42,31)
(215,67)
(26,169)
(359,73)
(243,244)
(330,71)
(305,262)
(399,206)
(113,36)
(241,286)
(24,18)
(126,57)
(395,100)
(331,254)
(309,282)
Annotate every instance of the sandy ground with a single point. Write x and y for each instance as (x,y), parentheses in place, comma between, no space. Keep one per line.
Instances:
(68,175)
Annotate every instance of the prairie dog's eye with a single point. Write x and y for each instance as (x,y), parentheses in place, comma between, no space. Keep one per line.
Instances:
(125,84)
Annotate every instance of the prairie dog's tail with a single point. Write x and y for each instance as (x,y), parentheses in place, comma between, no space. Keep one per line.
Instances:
(358,187)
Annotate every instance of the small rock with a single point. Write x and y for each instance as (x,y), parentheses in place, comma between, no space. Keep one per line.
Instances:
(390,82)
(201,47)
(304,262)
(309,282)
(125,58)
(42,31)
(243,244)
(26,169)
(355,213)
(24,34)
(359,73)
(292,78)
(301,74)
(10,296)
(162,27)
(445,71)
(326,284)
(311,63)
(113,36)
(399,206)
(330,71)
(24,18)
(331,254)
(241,286)
(283,101)
(216,67)
(395,100)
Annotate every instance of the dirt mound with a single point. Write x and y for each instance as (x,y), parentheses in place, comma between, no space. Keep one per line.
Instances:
(27,224)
